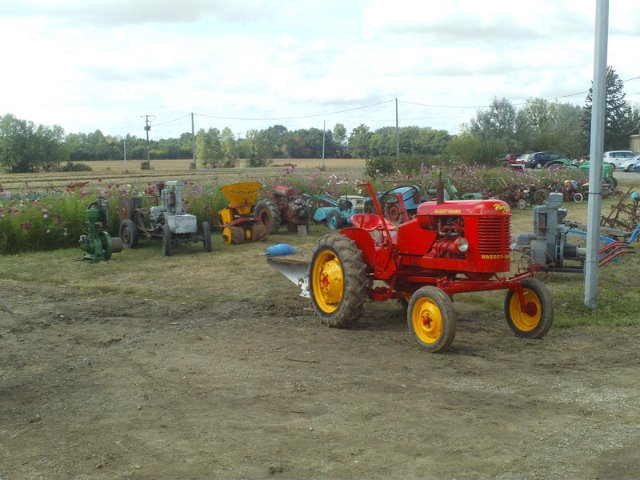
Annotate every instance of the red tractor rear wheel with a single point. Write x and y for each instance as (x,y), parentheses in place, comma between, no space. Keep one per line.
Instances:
(432,319)
(337,281)
(535,319)
(268,214)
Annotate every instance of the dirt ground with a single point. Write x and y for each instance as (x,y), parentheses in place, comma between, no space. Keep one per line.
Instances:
(115,387)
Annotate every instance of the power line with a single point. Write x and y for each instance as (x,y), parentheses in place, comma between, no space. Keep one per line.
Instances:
(301,117)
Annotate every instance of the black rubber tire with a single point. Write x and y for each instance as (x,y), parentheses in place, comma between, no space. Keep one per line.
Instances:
(237,235)
(404,304)
(268,214)
(126,208)
(258,232)
(128,233)
(206,236)
(342,252)
(540,196)
(577,197)
(166,240)
(442,306)
(523,324)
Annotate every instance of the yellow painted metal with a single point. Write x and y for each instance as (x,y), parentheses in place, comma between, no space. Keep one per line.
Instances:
(522,320)
(328,281)
(242,196)
(426,319)
(227,238)
(226,215)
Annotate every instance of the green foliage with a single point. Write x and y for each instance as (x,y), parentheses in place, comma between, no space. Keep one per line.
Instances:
(209,148)
(31,222)
(25,147)
(403,164)
(471,149)
(618,115)
(259,150)
(76,167)
(498,122)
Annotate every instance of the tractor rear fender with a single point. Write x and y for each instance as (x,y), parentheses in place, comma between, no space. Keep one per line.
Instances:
(377,258)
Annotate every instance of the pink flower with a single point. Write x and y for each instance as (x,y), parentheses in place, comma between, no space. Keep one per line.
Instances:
(25,226)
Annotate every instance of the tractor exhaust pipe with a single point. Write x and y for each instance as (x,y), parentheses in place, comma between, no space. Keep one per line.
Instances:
(439,189)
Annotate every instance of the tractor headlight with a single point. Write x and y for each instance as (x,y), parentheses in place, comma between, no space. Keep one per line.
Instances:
(462,244)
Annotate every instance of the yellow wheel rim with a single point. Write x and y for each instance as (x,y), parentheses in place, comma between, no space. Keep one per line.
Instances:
(525,321)
(426,319)
(328,281)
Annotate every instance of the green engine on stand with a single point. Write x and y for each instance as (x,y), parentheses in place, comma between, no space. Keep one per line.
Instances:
(96,241)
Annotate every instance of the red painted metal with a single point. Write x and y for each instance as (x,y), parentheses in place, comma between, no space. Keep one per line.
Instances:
(430,248)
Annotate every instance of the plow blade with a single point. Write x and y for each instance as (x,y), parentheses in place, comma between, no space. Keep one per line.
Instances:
(295,270)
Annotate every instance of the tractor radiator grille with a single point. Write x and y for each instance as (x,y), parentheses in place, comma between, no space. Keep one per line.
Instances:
(493,235)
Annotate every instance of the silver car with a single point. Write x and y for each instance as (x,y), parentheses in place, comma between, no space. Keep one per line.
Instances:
(616,157)
(627,165)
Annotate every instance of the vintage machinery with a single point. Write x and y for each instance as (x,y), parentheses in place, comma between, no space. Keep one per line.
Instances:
(238,222)
(96,241)
(337,212)
(167,220)
(405,196)
(286,206)
(549,247)
(447,248)
(624,215)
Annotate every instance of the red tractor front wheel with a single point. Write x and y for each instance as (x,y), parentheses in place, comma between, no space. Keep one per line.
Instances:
(431,319)
(533,318)
(337,281)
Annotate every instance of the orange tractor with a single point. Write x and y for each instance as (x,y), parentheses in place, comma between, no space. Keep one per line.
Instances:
(448,248)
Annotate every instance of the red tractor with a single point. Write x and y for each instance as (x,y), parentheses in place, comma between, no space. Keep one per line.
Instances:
(447,248)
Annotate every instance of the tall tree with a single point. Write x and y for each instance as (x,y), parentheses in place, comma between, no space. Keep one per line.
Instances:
(229,148)
(498,122)
(618,121)
(340,139)
(258,149)
(276,137)
(359,141)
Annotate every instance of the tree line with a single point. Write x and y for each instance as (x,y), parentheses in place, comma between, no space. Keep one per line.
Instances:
(502,128)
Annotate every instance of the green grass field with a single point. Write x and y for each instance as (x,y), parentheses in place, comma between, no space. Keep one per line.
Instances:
(232,271)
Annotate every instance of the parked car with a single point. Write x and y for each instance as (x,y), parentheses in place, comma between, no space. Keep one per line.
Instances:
(628,165)
(545,159)
(511,158)
(616,157)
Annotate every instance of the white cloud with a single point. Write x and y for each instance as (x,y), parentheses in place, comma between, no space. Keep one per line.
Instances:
(89,65)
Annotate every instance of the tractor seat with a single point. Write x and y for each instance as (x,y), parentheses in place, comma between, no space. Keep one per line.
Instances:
(370,221)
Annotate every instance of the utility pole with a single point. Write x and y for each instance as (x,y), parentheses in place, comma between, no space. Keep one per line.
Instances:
(147,127)
(324,128)
(597,141)
(125,154)
(193,143)
(397,132)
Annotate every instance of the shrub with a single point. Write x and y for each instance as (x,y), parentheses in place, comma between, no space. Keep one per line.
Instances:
(76,167)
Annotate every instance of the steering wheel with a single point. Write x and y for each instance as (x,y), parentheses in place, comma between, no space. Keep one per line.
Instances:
(390,198)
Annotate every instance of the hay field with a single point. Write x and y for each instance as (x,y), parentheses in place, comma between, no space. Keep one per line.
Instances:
(129,172)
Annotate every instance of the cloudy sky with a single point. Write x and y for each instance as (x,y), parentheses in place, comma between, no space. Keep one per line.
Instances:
(250,64)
